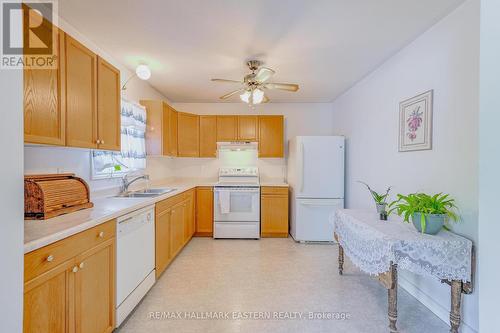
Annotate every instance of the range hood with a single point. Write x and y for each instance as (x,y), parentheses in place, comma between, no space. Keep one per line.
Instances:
(237,146)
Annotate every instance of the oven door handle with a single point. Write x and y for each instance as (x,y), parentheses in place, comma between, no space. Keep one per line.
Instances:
(246,190)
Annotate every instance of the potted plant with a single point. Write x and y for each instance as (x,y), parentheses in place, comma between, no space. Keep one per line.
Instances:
(427,212)
(380,199)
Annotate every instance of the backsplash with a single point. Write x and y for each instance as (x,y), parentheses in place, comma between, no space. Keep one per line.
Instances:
(42,159)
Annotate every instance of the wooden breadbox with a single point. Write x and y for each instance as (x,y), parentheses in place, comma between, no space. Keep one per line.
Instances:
(51,195)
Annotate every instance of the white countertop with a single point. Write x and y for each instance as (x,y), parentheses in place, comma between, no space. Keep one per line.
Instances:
(274,183)
(39,233)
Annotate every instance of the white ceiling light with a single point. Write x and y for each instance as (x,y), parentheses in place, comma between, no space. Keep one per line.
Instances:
(245,97)
(142,72)
(257,96)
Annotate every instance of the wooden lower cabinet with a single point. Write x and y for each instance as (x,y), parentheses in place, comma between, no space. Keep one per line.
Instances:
(189,218)
(46,300)
(163,255)
(95,290)
(174,227)
(204,211)
(77,295)
(177,228)
(274,211)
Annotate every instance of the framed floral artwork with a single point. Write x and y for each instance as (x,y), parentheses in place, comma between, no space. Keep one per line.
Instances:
(415,122)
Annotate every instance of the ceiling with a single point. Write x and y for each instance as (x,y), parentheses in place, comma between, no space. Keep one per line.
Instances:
(326,46)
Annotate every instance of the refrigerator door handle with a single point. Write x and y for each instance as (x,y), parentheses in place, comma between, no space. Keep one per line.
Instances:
(301,170)
(318,203)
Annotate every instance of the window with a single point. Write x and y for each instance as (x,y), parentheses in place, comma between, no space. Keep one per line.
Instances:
(107,164)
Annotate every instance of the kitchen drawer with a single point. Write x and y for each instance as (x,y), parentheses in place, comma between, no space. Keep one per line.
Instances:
(163,205)
(50,256)
(273,190)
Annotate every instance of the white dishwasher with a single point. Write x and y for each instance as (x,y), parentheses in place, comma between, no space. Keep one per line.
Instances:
(135,259)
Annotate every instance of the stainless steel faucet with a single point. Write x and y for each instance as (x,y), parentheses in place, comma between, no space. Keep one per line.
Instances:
(126,183)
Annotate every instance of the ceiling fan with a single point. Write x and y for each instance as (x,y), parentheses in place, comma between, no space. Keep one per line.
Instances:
(254,84)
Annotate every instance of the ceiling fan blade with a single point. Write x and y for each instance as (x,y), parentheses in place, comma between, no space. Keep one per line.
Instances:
(232,93)
(224,80)
(263,74)
(282,86)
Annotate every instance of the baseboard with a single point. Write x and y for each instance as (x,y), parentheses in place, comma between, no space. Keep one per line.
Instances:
(274,235)
(203,234)
(431,304)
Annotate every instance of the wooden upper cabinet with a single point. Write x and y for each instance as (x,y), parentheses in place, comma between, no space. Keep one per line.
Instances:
(271,136)
(227,128)
(44,109)
(161,128)
(248,128)
(108,106)
(171,126)
(81,95)
(75,104)
(188,131)
(208,136)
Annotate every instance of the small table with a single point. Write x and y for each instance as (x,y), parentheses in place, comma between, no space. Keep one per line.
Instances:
(379,248)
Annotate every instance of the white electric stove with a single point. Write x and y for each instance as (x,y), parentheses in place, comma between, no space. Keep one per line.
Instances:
(237,203)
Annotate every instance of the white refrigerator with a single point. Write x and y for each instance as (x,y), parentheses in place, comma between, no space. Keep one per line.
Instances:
(316,177)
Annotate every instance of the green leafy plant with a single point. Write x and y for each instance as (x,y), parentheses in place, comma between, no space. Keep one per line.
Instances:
(425,204)
(380,199)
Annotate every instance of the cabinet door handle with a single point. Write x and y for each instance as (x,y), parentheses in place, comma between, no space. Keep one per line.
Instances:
(101,234)
(82,265)
(102,142)
(50,258)
(98,141)
(75,269)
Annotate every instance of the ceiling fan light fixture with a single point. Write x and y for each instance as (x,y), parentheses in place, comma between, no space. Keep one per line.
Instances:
(245,97)
(258,96)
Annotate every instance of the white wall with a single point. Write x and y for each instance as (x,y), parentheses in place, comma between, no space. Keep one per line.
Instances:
(446,59)
(39,159)
(300,119)
(489,164)
(11,201)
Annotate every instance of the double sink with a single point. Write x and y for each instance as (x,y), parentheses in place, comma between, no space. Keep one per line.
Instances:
(148,193)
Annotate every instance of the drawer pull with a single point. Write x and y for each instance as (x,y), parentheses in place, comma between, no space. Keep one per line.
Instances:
(101,234)
(50,258)
(75,269)
(82,265)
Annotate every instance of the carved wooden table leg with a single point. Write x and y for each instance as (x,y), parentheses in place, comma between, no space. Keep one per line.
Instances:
(341,260)
(456,299)
(392,294)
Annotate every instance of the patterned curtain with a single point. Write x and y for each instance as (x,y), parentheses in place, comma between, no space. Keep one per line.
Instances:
(133,150)
(133,143)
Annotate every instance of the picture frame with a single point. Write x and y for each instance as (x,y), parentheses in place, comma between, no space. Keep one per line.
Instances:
(415,122)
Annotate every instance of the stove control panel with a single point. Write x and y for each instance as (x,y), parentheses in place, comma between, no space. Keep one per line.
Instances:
(239,172)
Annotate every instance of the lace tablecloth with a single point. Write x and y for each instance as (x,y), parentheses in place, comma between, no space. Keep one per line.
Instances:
(372,245)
